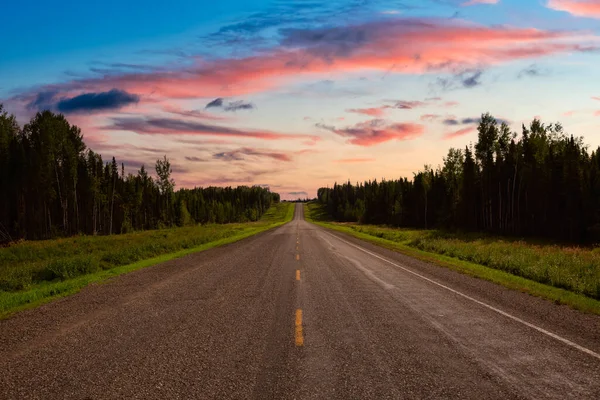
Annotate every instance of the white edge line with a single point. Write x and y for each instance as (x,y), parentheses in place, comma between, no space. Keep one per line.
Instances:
(507,315)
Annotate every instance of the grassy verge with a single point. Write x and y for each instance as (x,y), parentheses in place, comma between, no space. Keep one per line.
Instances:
(564,275)
(33,273)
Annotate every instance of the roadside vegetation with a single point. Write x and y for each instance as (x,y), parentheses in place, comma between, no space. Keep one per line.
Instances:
(32,272)
(565,274)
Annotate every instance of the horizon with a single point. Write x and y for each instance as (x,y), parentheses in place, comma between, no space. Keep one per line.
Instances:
(262,93)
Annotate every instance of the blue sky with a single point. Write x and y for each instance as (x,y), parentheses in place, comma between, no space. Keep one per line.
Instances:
(328,90)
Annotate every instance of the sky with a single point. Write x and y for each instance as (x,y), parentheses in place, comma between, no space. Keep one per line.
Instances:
(297,95)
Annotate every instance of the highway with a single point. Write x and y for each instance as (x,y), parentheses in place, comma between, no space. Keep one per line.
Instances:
(299,312)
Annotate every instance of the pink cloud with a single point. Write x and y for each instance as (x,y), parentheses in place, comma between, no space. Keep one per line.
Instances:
(460,132)
(373,112)
(169,126)
(597,113)
(450,104)
(380,111)
(596,98)
(377,131)
(419,45)
(306,151)
(239,154)
(430,117)
(474,2)
(409,105)
(354,160)
(579,8)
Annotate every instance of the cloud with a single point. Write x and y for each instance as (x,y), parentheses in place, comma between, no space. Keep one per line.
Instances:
(532,71)
(451,122)
(237,155)
(596,98)
(469,121)
(578,8)
(414,45)
(475,2)
(302,193)
(90,102)
(238,105)
(193,113)
(43,100)
(170,126)
(380,111)
(354,160)
(468,78)
(231,106)
(377,131)
(215,103)
(373,112)
(195,159)
(408,105)
(450,104)
(430,117)
(460,132)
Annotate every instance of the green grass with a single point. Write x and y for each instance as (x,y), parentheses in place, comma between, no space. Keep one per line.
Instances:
(33,273)
(565,275)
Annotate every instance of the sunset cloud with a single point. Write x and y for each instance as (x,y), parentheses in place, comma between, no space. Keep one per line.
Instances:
(170,126)
(231,106)
(373,112)
(380,111)
(194,159)
(578,8)
(377,131)
(430,117)
(237,155)
(193,113)
(468,78)
(418,45)
(453,121)
(113,99)
(460,132)
(475,2)
(408,105)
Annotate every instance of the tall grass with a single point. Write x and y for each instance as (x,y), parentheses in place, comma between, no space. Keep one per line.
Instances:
(572,268)
(27,264)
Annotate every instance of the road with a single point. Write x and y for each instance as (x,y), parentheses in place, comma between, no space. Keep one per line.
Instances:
(299,312)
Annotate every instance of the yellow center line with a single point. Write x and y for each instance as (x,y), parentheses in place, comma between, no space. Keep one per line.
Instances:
(299,334)
(297,274)
(298,257)
(297,248)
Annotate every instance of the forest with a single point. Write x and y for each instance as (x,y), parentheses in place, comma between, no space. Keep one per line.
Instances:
(543,183)
(52,185)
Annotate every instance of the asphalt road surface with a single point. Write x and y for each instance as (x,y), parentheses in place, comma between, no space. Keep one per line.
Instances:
(299,312)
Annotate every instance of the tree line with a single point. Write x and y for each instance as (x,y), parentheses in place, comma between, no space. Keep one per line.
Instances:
(543,183)
(52,185)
